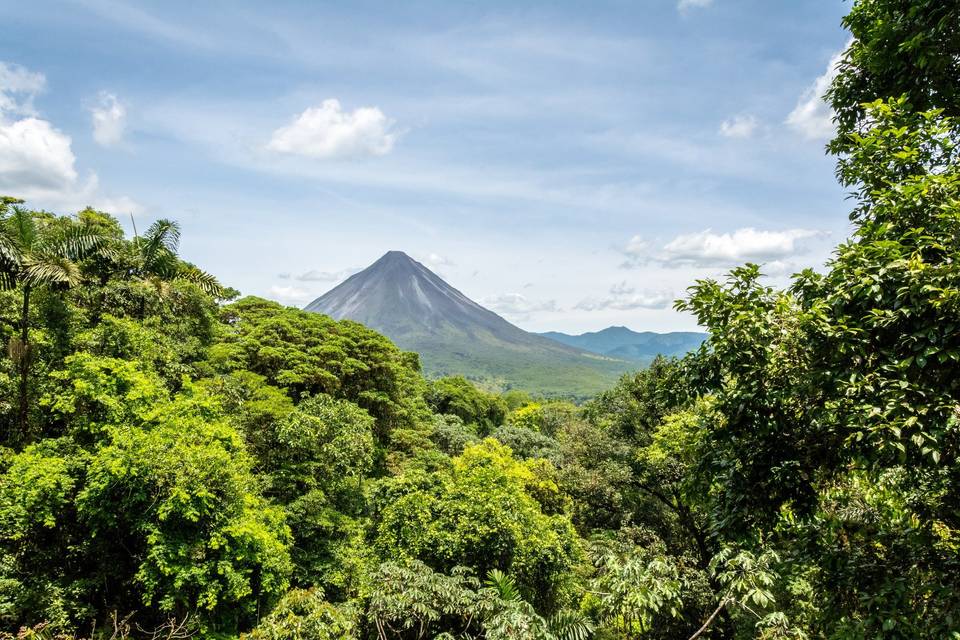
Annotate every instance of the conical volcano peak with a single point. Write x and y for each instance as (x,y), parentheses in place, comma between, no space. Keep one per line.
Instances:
(398,293)
(396,257)
(397,262)
(417,309)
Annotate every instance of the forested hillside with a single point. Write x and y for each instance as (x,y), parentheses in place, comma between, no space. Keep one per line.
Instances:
(180,462)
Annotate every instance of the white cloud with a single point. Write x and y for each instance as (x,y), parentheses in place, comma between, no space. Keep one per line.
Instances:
(686,5)
(290,295)
(329,132)
(813,117)
(624,297)
(740,126)
(36,156)
(315,275)
(18,86)
(435,260)
(638,247)
(517,306)
(706,248)
(109,120)
(37,162)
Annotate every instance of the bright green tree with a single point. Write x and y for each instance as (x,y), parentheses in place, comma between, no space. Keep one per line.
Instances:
(37,252)
(482,511)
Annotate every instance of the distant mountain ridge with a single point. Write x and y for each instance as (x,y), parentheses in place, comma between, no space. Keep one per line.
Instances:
(454,335)
(623,343)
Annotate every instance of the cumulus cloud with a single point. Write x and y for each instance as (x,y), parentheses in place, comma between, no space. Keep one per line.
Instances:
(37,162)
(109,120)
(329,132)
(813,117)
(624,297)
(687,5)
(739,126)
(518,306)
(34,155)
(706,248)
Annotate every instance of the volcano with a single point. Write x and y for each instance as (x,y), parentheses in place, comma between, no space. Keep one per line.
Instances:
(419,311)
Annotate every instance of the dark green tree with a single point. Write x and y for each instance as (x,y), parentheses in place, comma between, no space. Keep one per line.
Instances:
(899,48)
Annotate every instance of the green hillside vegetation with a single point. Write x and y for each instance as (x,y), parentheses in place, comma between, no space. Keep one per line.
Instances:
(544,371)
(176,462)
(623,344)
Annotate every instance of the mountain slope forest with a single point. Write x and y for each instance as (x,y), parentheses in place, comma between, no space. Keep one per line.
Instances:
(179,462)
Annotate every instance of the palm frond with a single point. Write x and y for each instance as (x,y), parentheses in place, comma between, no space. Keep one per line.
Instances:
(570,625)
(160,240)
(10,259)
(205,281)
(9,250)
(75,242)
(23,227)
(50,269)
(504,585)
(8,278)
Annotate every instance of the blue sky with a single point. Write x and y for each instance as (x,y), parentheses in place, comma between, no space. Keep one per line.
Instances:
(570,165)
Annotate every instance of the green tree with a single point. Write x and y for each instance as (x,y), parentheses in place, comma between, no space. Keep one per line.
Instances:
(304,614)
(153,257)
(482,511)
(309,353)
(842,392)
(457,396)
(321,453)
(36,252)
(909,49)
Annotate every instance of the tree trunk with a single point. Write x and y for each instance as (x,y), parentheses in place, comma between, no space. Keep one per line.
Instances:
(25,364)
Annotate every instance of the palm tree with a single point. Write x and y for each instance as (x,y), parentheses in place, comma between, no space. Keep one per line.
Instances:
(33,255)
(156,261)
(514,617)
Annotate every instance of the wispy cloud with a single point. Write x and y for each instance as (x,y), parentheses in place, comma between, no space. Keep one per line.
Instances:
(315,275)
(18,87)
(739,126)
(625,297)
(290,295)
(813,117)
(436,261)
(517,306)
(109,120)
(686,5)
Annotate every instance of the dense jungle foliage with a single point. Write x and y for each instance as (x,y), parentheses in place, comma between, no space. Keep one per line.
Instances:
(178,462)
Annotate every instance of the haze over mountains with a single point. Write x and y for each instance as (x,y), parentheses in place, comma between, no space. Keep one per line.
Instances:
(621,342)
(454,335)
